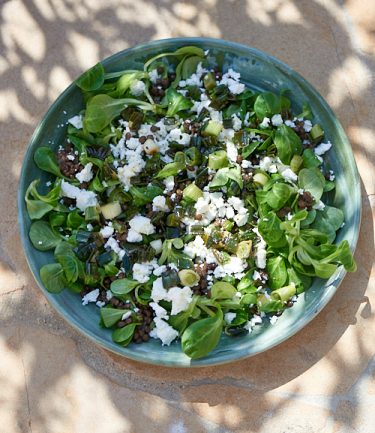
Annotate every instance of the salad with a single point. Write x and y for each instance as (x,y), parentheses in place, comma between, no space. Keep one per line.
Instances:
(185,205)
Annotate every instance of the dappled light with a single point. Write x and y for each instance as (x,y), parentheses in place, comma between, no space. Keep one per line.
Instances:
(52,379)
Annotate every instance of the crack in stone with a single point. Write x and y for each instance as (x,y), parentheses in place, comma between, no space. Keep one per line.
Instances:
(12,291)
(26,389)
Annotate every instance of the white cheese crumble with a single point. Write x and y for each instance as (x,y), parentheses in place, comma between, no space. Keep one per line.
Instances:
(169,183)
(276,120)
(142,225)
(163,331)
(229,317)
(76,121)
(274,319)
(86,174)
(126,315)
(235,266)
(265,123)
(114,246)
(319,206)
(261,253)
(90,297)
(231,80)
(237,122)
(157,245)
(159,204)
(180,298)
(142,271)
(232,152)
(137,88)
(290,123)
(133,236)
(107,231)
(307,125)
(83,198)
(322,148)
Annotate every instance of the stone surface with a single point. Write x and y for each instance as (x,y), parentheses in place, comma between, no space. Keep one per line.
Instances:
(54,380)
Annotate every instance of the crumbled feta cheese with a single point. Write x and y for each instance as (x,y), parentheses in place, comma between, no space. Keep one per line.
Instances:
(322,148)
(86,174)
(276,120)
(71,157)
(237,122)
(241,219)
(153,75)
(163,331)
(100,304)
(159,204)
(265,123)
(268,164)
(134,236)
(231,80)
(83,198)
(307,125)
(90,297)
(246,164)
(178,136)
(113,245)
(235,266)
(49,183)
(107,231)
(108,295)
(158,292)
(137,88)
(126,315)
(261,253)
(331,175)
(273,320)
(180,298)
(232,152)
(76,121)
(142,271)
(90,227)
(142,225)
(229,317)
(169,183)
(290,123)
(157,245)
(319,206)
(159,270)
(160,312)
(287,173)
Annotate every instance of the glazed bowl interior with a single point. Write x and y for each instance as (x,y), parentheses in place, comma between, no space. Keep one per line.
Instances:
(261,72)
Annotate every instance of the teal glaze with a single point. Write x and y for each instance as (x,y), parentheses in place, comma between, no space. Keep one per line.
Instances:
(259,71)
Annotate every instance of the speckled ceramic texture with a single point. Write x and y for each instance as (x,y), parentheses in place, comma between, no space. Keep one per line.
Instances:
(260,71)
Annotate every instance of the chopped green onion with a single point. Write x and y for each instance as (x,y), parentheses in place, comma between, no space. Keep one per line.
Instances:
(218,159)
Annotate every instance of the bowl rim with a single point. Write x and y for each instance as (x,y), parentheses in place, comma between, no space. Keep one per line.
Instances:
(224,356)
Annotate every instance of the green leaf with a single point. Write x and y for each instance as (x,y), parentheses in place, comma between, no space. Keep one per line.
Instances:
(202,336)
(110,316)
(310,160)
(92,79)
(183,51)
(53,278)
(222,290)
(176,102)
(277,274)
(42,236)
(65,256)
(266,105)
(145,194)
(123,286)
(312,180)
(223,175)
(171,169)
(269,228)
(287,143)
(102,109)
(124,335)
(46,160)
(278,196)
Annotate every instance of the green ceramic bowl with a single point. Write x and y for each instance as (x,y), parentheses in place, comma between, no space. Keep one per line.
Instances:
(259,71)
